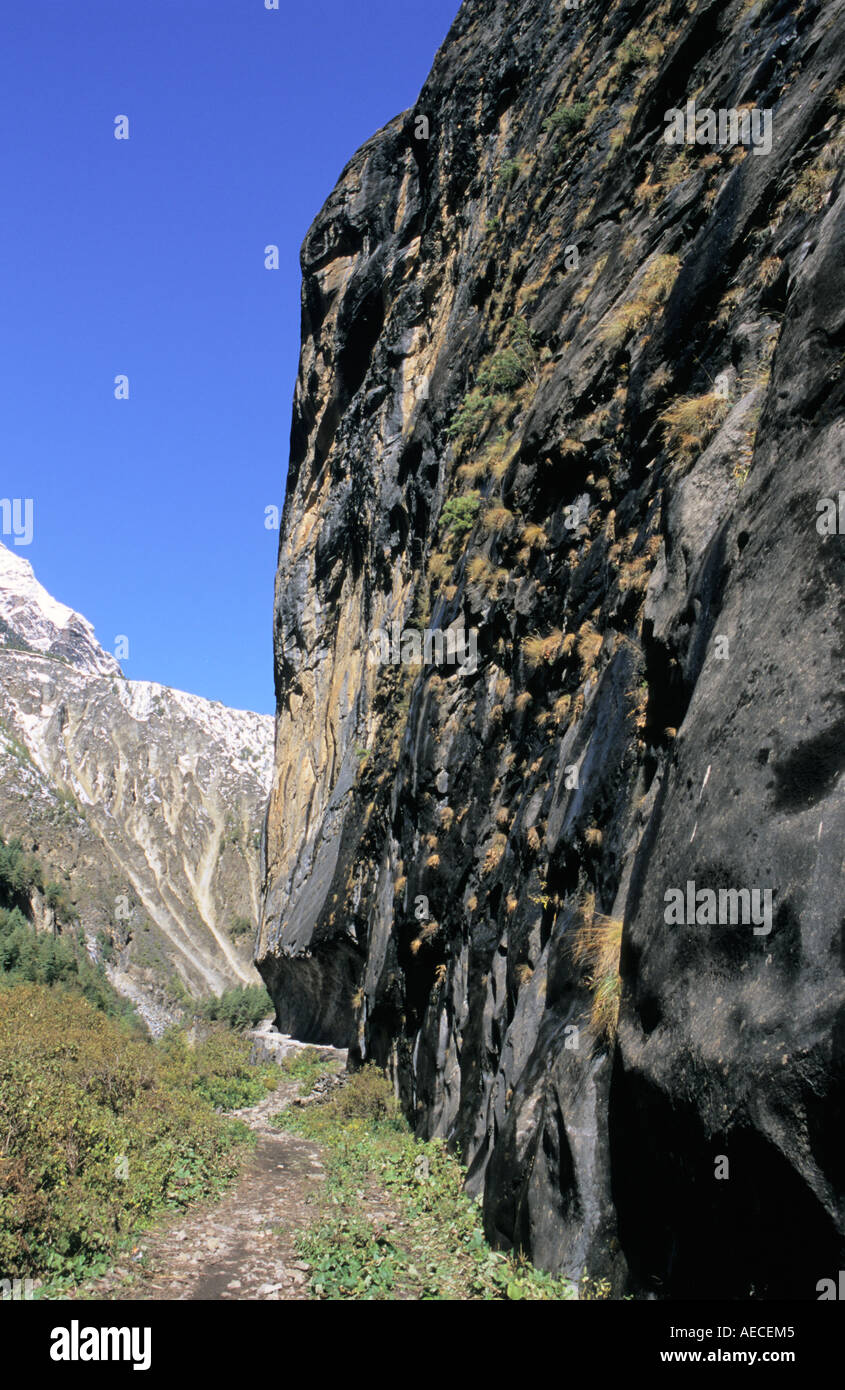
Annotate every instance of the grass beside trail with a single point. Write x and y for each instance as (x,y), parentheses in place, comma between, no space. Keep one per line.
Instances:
(307,1068)
(438,1249)
(101,1129)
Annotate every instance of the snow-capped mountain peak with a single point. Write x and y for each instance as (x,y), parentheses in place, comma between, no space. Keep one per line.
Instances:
(31,617)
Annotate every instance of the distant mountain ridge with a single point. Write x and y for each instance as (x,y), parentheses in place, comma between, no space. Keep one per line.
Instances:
(147,801)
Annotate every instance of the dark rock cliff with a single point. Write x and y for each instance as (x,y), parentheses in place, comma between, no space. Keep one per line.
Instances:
(578,392)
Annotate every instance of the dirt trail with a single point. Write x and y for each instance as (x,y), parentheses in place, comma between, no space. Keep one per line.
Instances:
(240,1246)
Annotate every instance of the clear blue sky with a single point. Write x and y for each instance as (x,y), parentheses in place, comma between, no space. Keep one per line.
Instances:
(146,257)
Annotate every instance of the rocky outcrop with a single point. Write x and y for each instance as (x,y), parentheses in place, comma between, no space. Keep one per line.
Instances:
(147,802)
(577,393)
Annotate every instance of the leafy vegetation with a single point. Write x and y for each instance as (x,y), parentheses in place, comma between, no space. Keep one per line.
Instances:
(240,926)
(509,172)
(435,1248)
(102,1128)
(20,874)
(459,513)
(307,1068)
(503,373)
(567,120)
(242,1006)
(57,958)
(499,375)
(471,415)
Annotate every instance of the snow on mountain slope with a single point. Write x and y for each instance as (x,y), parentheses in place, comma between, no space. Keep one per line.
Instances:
(148,801)
(44,624)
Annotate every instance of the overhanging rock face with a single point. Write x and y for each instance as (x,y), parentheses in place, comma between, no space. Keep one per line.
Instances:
(579,393)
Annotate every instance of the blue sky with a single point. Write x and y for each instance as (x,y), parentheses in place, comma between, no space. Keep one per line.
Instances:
(145,257)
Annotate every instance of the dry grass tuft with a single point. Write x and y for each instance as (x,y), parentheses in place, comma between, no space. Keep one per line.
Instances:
(583,293)
(635,575)
(479,568)
(589,645)
(769,270)
(649,193)
(495,854)
(497,518)
(538,650)
(652,290)
(472,472)
(728,305)
(561,708)
(440,566)
(689,424)
(534,537)
(597,944)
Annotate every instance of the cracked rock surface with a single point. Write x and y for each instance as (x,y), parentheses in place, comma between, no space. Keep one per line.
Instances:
(608,467)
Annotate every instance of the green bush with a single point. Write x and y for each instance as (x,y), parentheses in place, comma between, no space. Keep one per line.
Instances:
(567,120)
(509,173)
(503,372)
(240,926)
(471,415)
(242,1006)
(631,55)
(59,960)
(369,1096)
(306,1068)
(498,377)
(57,899)
(102,1128)
(20,874)
(459,513)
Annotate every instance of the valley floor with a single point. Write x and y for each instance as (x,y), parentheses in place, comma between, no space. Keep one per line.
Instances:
(243,1245)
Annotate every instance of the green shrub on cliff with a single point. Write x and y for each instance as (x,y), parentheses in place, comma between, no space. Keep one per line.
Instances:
(567,120)
(20,874)
(471,415)
(459,513)
(503,373)
(509,172)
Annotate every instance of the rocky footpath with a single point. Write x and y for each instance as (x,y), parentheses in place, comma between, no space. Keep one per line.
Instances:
(145,803)
(241,1246)
(577,392)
